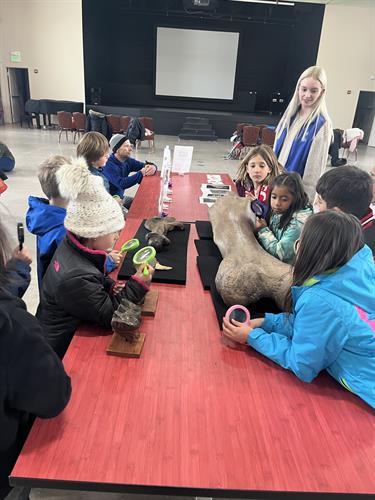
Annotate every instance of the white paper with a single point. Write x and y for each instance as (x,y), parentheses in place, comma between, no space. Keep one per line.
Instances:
(182,157)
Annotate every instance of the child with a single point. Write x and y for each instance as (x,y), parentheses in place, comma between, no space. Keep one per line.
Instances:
(304,133)
(32,378)
(94,148)
(289,210)
(333,273)
(75,288)
(45,217)
(350,190)
(255,173)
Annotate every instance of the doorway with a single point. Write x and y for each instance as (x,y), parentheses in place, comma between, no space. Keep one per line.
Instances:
(19,91)
(365,113)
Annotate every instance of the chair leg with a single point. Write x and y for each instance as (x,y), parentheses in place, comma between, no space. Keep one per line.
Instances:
(66,135)
(60,134)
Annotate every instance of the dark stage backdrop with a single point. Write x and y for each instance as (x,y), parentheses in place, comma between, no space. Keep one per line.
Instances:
(119,36)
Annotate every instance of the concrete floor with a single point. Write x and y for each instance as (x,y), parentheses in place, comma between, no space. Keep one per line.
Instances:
(30,147)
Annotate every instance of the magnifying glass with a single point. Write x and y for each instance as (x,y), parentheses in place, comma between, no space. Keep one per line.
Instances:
(259,209)
(238,313)
(129,245)
(145,255)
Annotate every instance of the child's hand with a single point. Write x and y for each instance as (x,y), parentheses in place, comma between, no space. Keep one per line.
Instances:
(116,257)
(256,322)
(260,224)
(236,331)
(23,255)
(118,286)
(146,279)
(251,196)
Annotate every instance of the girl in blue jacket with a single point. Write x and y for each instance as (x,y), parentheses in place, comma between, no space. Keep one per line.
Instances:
(334,272)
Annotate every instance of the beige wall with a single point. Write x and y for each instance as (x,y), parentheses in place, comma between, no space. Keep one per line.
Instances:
(49,35)
(347,52)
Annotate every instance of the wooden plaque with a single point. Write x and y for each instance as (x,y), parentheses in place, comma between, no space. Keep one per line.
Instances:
(120,347)
(150,303)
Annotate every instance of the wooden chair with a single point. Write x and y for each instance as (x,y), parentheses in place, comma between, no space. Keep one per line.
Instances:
(79,124)
(148,123)
(115,123)
(267,136)
(65,122)
(240,127)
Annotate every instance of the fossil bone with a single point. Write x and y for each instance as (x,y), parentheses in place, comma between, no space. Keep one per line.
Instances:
(126,320)
(247,273)
(159,227)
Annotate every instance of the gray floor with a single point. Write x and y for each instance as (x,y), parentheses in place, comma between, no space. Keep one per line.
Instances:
(30,147)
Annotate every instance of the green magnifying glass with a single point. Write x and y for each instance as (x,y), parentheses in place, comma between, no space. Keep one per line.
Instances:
(145,255)
(129,245)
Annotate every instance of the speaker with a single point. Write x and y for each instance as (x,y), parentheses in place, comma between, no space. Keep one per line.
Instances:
(95,96)
(277,104)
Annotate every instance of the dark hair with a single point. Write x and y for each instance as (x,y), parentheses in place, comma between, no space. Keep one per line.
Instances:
(347,188)
(4,255)
(293,183)
(328,241)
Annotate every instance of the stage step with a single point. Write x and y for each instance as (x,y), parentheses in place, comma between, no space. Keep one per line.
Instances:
(196,119)
(197,137)
(199,129)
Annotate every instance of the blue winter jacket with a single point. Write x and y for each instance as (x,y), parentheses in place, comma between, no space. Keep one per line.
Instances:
(117,172)
(325,330)
(47,223)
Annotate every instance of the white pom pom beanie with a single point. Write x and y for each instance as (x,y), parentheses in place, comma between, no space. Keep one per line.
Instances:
(91,211)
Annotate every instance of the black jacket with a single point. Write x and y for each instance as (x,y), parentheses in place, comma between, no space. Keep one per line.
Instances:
(97,122)
(32,379)
(135,131)
(18,277)
(75,290)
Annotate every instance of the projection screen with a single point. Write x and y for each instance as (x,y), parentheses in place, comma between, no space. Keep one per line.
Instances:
(195,63)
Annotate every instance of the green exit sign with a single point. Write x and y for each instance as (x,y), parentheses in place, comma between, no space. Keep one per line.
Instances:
(15,56)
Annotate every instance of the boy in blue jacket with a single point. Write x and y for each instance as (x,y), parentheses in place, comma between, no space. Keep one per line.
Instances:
(333,274)
(45,217)
(120,164)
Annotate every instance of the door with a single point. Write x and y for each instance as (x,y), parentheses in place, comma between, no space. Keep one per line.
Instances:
(365,114)
(19,91)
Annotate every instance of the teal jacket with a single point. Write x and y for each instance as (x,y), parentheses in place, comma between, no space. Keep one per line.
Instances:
(325,330)
(280,242)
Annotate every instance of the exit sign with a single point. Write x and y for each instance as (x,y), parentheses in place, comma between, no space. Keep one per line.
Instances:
(15,56)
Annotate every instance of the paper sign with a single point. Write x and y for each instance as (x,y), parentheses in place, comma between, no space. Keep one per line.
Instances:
(182,156)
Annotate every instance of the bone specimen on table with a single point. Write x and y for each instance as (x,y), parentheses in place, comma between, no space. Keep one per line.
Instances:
(247,272)
(159,227)
(126,320)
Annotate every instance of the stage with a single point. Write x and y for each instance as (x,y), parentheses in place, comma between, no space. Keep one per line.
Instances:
(169,121)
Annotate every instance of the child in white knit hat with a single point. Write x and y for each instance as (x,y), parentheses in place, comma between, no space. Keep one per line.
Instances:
(75,288)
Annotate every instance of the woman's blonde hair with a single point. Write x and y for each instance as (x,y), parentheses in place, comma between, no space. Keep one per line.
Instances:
(320,107)
(268,155)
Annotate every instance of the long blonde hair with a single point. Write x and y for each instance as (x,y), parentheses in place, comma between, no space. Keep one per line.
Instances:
(268,155)
(320,107)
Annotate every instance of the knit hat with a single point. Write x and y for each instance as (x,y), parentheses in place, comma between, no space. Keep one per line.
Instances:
(91,211)
(116,141)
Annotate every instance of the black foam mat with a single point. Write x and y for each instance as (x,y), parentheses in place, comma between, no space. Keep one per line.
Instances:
(207,267)
(173,255)
(204,229)
(207,248)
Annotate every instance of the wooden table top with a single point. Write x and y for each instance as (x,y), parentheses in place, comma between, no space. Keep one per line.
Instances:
(192,416)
